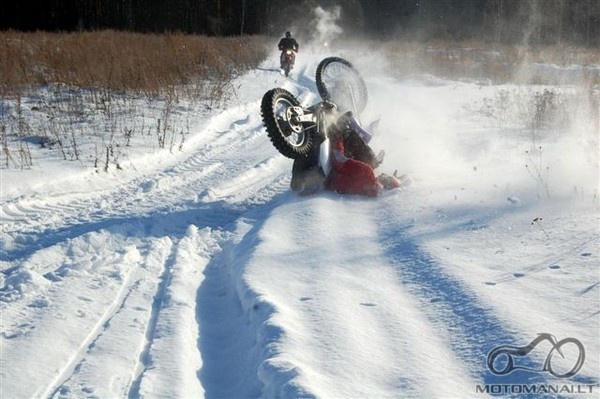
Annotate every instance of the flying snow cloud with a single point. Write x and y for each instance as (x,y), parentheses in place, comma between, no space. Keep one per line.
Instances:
(326,27)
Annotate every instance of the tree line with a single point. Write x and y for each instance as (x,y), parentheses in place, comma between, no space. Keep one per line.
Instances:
(506,21)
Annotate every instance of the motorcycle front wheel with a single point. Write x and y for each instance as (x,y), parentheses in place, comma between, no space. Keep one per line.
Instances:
(340,83)
(293,139)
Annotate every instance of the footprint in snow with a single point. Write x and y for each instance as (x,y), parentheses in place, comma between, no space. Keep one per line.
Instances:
(368,304)
(39,303)
(514,200)
(148,186)
(51,276)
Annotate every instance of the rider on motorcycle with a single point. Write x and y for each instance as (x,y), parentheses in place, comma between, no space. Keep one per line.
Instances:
(288,43)
(353,164)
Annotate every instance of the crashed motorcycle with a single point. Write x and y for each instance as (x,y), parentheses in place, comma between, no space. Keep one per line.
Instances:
(295,130)
(319,136)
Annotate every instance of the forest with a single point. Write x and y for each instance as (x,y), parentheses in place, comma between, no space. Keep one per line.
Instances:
(532,22)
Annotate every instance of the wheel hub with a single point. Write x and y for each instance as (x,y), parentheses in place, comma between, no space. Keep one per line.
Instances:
(292,115)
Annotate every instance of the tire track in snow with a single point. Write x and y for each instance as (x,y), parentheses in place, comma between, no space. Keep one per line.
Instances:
(332,322)
(144,360)
(227,339)
(176,188)
(114,360)
(173,354)
(46,222)
(472,330)
(68,369)
(234,336)
(77,361)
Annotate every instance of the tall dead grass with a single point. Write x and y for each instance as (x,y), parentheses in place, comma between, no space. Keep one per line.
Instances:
(78,94)
(122,61)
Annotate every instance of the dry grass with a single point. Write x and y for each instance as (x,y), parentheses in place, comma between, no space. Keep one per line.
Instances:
(121,61)
(79,94)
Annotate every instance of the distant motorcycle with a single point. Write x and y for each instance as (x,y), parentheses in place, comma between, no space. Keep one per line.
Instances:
(288,58)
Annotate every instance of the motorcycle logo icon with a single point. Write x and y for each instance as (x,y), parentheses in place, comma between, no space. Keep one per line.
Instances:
(510,352)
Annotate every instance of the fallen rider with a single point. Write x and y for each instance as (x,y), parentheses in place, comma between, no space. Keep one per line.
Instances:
(345,163)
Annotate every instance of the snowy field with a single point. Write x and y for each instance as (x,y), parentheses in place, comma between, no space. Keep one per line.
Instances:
(194,271)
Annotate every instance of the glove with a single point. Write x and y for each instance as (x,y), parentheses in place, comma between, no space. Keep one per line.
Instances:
(388,182)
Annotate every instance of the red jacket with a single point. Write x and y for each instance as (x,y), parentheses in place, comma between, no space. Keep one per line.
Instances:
(349,176)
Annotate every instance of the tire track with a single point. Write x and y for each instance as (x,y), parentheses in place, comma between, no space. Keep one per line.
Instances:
(176,188)
(227,342)
(144,360)
(170,361)
(235,338)
(157,206)
(117,355)
(471,329)
(303,326)
(75,360)
(207,152)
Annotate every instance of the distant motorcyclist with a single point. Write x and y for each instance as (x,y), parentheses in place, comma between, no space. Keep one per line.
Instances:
(288,43)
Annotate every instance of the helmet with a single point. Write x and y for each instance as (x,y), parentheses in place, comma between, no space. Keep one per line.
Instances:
(288,34)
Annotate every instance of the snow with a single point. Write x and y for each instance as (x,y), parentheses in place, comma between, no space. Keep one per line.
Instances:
(196,272)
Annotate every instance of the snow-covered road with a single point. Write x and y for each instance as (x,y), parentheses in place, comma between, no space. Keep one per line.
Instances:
(202,275)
